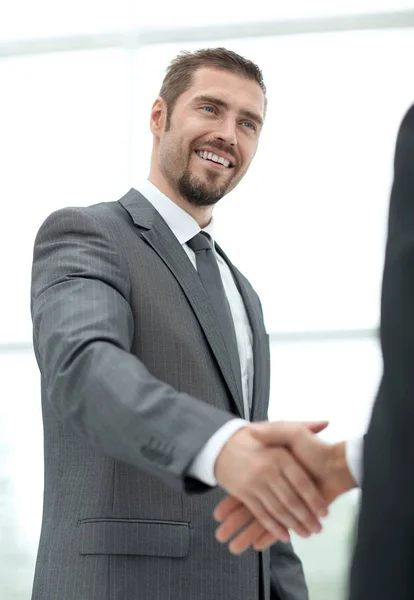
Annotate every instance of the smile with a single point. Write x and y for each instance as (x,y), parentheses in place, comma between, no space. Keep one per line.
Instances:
(214,158)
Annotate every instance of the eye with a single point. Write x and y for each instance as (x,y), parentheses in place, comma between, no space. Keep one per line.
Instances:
(249,125)
(209,109)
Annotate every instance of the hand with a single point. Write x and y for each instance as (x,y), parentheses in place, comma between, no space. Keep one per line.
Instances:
(268,481)
(328,466)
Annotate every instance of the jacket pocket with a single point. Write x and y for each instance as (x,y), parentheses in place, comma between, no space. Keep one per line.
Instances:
(139,537)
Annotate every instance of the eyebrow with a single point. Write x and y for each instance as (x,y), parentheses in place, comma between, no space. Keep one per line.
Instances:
(248,114)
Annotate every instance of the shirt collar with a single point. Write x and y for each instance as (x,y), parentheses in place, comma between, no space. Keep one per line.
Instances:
(183,226)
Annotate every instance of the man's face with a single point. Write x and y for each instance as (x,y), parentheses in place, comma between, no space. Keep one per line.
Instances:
(213,135)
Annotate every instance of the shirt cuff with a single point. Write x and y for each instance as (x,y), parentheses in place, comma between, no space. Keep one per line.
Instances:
(353,450)
(203,465)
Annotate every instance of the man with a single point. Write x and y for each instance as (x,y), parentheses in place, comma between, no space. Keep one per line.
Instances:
(145,362)
(150,343)
(383,564)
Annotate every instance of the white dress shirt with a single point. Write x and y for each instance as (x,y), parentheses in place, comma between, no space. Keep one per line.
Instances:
(184,227)
(354,449)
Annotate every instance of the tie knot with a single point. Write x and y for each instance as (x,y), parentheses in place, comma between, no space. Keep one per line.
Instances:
(199,242)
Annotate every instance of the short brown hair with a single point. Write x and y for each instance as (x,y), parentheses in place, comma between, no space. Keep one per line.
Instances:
(181,70)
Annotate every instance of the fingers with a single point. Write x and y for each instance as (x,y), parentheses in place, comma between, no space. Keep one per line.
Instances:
(293,512)
(283,433)
(308,500)
(294,496)
(250,534)
(279,499)
(302,495)
(278,433)
(254,535)
(257,509)
(263,541)
(240,517)
(238,522)
(316,426)
(226,507)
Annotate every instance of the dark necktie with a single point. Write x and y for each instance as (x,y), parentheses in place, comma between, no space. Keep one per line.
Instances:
(209,273)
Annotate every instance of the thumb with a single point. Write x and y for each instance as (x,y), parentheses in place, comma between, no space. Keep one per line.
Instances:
(283,433)
(315,426)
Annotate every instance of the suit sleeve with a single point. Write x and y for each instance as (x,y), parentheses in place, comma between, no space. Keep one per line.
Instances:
(83,328)
(383,564)
(287,579)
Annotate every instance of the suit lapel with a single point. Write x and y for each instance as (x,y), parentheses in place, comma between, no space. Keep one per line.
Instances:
(260,343)
(154,230)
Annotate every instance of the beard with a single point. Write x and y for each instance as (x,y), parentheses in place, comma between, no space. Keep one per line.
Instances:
(198,191)
(201,193)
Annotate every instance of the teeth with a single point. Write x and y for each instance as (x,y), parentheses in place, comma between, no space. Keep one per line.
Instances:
(213,157)
(224,161)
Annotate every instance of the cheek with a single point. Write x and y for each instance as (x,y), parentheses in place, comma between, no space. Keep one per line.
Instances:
(174,150)
(247,156)
(183,146)
(245,164)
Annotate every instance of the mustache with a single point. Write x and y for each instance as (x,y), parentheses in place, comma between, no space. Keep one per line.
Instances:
(218,145)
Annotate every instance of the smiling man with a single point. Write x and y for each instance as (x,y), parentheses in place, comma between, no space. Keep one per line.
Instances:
(208,148)
(151,347)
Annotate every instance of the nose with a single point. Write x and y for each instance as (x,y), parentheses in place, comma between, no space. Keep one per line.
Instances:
(228,132)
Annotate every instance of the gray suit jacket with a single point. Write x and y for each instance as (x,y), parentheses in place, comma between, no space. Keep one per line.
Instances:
(135,380)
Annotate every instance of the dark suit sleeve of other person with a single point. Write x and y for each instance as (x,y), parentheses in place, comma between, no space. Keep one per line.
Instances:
(383,565)
(83,329)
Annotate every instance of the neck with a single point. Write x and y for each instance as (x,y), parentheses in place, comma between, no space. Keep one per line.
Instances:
(201,214)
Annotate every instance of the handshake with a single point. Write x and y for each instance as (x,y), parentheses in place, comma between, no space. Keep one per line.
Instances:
(279,476)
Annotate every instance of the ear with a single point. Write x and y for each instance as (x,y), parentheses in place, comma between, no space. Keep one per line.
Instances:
(158,116)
